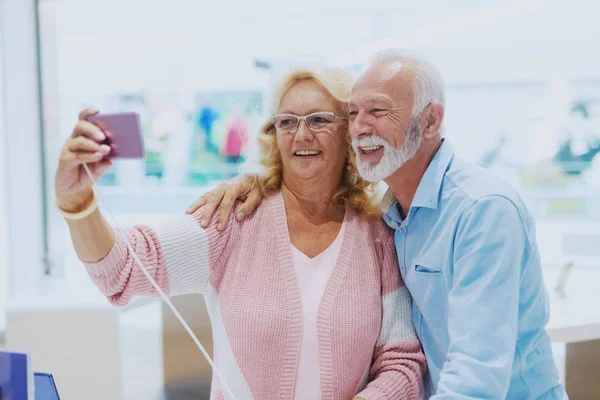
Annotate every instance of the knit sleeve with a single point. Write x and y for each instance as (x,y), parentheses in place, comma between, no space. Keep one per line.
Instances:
(179,255)
(398,362)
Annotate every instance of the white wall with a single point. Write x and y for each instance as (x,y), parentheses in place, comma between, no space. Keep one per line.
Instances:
(522,40)
(185,46)
(21,150)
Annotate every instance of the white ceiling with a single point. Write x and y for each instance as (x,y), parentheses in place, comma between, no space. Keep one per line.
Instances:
(526,40)
(128,44)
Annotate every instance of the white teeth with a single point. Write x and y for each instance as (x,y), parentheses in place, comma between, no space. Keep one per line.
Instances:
(370,148)
(307,153)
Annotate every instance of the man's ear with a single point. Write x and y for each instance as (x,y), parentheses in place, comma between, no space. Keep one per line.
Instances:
(434,117)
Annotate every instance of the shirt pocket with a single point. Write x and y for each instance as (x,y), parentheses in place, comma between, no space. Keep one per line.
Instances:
(431,311)
(424,269)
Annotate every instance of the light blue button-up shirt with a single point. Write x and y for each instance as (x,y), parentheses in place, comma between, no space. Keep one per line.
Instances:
(468,254)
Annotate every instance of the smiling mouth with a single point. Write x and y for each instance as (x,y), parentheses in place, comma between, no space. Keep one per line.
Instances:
(307,153)
(370,149)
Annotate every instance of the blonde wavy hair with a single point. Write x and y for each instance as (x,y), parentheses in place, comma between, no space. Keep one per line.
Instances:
(353,191)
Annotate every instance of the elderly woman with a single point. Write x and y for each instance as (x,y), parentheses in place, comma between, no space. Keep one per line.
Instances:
(305,297)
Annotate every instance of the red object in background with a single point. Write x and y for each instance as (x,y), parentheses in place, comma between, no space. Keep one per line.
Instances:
(237,136)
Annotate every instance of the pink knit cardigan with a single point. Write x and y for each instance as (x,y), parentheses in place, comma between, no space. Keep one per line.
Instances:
(367,343)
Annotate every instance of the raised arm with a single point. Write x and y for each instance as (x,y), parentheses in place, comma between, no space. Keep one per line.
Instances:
(91,235)
(398,362)
(179,255)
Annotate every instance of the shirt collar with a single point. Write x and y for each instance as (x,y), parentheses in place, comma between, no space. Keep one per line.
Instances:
(428,191)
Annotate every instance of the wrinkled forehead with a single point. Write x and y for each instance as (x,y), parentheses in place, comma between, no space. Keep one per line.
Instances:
(370,97)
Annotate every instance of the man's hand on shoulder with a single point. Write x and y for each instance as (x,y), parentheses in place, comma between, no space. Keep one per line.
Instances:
(223,198)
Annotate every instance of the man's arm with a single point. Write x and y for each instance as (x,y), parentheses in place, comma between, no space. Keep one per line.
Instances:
(222,199)
(490,246)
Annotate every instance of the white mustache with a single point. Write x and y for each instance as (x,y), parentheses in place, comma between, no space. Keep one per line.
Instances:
(369,141)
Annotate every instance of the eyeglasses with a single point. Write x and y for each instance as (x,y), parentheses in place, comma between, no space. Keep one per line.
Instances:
(316,122)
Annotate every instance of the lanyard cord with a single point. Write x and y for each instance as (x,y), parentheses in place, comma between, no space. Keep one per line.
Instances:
(164,297)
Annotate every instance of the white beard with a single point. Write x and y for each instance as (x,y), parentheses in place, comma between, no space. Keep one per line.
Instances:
(393,158)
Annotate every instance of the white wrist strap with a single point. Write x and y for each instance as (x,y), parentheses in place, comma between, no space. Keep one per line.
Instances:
(82,214)
(161,293)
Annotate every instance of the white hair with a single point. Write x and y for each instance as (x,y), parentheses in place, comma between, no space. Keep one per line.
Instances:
(428,85)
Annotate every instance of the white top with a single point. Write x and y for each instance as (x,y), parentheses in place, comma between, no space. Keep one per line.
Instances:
(313,275)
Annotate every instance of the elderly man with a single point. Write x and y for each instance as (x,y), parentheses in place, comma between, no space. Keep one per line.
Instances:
(465,240)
